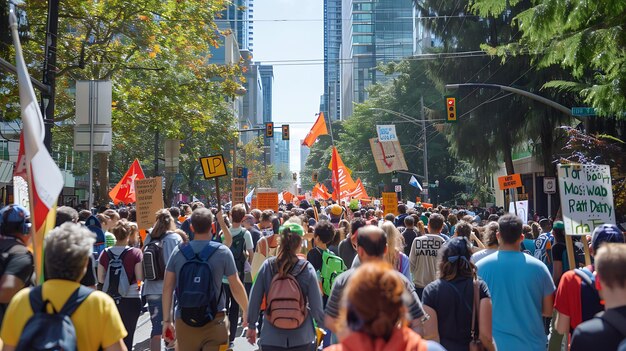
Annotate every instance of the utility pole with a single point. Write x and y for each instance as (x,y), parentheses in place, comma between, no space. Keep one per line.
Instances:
(425,150)
(49,71)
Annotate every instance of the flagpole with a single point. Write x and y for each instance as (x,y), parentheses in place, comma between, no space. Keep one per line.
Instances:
(330,125)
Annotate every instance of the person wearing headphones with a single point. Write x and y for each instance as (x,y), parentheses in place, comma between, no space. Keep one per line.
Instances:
(16,261)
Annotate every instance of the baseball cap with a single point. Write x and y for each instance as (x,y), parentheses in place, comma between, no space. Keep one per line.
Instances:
(606,233)
(558,225)
(13,214)
(336,210)
(293,227)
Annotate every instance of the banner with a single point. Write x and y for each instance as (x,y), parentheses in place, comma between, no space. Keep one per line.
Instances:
(388,156)
(390,203)
(586,197)
(149,195)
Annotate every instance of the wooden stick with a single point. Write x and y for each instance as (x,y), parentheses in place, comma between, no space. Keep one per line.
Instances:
(217,192)
(570,251)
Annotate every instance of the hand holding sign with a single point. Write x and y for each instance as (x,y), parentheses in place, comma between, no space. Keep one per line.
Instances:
(214,167)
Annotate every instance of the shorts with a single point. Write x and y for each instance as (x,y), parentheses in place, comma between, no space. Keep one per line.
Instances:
(155,307)
(210,337)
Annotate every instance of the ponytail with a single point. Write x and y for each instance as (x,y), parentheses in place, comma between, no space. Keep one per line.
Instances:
(290,241)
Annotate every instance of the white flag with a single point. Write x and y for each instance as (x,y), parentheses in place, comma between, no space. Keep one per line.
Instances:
(249,196)
(415,183)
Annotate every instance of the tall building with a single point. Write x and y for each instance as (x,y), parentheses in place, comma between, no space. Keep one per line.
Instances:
(304,154)
(373,32)
(281,153)
(240,15)
(331,103)
(267,78)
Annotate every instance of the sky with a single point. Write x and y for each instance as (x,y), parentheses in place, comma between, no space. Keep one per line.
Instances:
(297,88)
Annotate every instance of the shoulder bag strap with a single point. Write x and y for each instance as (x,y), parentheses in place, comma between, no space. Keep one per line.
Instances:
(36,299)
(476,306)
(77,297)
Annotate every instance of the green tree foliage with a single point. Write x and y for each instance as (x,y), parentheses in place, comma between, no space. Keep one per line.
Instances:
(158,56)
(585,37)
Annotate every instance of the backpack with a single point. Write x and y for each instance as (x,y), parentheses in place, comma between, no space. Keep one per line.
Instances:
(543,244)
(5,246)
(286,305)
(238,248)
(45,331)
(589,297)
(116,282)
(616,320)
(332,266)
(153,261)
(196,292)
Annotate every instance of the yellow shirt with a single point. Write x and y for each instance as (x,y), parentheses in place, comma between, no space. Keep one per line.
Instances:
(97,321)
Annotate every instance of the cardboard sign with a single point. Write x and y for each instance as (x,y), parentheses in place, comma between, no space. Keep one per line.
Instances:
(239,191)
(267,199)
(510,181)
(149,200)
(388,156)
(390,203)
(387,133)
(586,197)
(213,166)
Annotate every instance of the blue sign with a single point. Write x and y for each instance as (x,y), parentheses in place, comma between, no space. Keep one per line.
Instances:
(583,111)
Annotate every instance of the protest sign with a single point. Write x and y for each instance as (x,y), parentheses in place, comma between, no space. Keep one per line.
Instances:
(149,196)
(267,199)
(387,133)
(522,209)
(586,197)
(390,203)
(388,156)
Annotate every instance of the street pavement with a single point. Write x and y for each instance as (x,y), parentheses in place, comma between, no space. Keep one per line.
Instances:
(142,337)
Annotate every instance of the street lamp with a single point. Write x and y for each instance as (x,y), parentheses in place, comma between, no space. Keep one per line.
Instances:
(416,121)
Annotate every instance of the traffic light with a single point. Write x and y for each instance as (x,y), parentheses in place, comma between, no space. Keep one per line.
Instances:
(314,177)
(280,176)
(451,109)
(285,131)
(269,129)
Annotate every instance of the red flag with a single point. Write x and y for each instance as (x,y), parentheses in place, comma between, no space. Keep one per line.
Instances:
(20,165)
(124,191)
(336,182)
(319,128)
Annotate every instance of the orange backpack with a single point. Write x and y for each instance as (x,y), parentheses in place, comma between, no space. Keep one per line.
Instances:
(286,304)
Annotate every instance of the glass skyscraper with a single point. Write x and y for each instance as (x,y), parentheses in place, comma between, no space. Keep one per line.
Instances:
(374,32)
(331,103)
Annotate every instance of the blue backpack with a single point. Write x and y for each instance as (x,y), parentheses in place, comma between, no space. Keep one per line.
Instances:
(196,292)
(589,296)
(51,331)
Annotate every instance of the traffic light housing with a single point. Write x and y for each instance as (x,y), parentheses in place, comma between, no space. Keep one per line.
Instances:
(314,177)
(285,131)
(279,176)
(269,129)
(451,109)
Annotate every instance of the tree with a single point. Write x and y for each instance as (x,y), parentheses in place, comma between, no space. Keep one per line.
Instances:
(585,37)
(157,54)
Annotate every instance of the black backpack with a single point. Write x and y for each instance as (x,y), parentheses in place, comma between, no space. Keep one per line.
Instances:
(153,259)
(589,297)
(5,246)
(238,248)
(51,331)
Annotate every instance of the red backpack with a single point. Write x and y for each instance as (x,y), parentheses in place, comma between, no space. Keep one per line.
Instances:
(286,305)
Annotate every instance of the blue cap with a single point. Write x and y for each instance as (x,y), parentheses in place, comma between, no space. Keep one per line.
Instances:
(606,233)
(14,214)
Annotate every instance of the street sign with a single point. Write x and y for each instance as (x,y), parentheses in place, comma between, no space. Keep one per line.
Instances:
(510,181)
(583,111)
(398,188)
(549,185)
(213,166)
(239,172)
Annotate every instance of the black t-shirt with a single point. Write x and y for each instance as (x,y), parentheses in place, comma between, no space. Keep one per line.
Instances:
(89,279)
(454,316)
(559,253)
(256,235)
(409,235)
(17,261)
(314,256)
(598,334)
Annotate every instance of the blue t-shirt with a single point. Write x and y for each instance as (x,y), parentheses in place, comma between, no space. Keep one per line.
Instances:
(518,284)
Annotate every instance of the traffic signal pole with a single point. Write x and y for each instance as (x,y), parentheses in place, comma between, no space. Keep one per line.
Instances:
(425,149)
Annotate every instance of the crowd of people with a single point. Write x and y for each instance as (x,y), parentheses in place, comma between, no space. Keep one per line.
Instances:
(311,277)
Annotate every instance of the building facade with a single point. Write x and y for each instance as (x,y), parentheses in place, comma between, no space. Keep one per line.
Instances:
(331,100)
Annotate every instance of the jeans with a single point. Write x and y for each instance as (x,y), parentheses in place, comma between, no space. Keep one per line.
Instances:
(232,309)
(155,307)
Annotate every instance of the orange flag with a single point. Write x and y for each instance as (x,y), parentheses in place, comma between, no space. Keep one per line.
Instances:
(345,180)
(319,128)
(288,197)
(358,192)
(320,192)
(124,191)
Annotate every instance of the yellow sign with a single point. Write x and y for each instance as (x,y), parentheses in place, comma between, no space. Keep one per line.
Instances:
(213,166)
(390,203)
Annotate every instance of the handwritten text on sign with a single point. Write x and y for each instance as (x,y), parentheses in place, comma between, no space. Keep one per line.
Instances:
(387,133)
(586,197)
